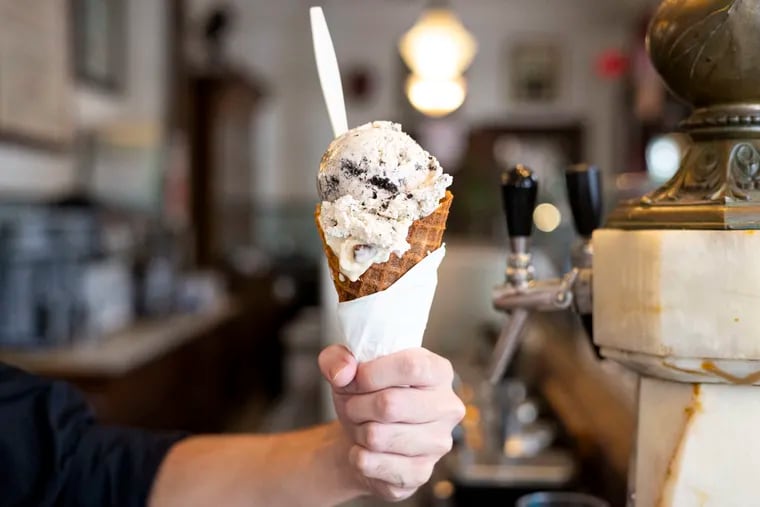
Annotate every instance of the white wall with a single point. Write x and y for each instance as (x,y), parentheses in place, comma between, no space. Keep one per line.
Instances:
(34,173)
(582,32)
(273,40)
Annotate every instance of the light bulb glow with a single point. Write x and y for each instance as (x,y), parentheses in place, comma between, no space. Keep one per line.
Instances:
(663,156)
(546,217)
(438,46)
(436,97)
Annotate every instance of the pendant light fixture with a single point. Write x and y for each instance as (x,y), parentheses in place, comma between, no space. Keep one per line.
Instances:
(437,49)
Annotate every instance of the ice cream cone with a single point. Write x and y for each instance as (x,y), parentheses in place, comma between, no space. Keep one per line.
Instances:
(425,235)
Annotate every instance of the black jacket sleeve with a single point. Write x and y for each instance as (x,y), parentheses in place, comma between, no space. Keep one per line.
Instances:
(52,453)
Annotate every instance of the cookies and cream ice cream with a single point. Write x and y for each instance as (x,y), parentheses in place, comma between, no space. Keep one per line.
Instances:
(374,182)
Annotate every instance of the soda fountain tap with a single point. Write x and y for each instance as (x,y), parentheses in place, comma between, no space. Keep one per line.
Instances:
(584,193)
(521,292)
(519,190)
(506,443)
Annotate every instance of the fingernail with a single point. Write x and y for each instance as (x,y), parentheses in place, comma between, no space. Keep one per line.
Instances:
(338,371)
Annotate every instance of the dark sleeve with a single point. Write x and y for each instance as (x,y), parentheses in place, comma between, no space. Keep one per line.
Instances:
(52,453)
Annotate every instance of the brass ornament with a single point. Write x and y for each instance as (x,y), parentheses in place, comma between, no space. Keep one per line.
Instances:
(708,53)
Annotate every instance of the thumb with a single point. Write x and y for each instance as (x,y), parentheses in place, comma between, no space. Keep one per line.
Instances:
(338,365)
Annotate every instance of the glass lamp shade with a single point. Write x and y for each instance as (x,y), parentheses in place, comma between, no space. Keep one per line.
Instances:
(436,97)
(438,46)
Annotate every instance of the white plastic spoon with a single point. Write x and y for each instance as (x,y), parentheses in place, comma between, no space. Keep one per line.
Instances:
(327,68)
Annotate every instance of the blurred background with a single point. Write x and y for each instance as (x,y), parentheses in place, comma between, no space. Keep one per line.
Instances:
(157,188)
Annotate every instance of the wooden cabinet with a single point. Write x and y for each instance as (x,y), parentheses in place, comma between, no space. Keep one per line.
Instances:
(222,107)
(189,372)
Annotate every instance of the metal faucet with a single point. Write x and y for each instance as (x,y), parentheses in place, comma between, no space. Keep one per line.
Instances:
(521,293)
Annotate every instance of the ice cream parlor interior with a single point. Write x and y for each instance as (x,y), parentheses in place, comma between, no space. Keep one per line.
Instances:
(158,247)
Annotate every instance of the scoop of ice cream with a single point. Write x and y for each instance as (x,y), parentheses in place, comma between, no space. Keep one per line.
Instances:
(385,170)
(374,181)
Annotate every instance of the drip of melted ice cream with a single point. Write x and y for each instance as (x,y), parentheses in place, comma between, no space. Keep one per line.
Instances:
(375,181)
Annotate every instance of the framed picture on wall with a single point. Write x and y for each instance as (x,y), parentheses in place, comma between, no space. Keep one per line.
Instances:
(36,100)
(534,71)
(99,42)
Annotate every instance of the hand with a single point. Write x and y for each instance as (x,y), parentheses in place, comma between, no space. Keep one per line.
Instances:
(397,433)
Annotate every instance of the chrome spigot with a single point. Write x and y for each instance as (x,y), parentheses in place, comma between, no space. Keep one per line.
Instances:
(521,293)
(519,191)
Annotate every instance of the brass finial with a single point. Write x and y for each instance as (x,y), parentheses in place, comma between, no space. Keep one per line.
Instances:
(708,53)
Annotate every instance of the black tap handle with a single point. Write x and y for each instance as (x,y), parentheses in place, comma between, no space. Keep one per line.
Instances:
(584,191)
(518,191)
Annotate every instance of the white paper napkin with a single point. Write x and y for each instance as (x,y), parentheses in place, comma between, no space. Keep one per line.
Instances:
(394,319)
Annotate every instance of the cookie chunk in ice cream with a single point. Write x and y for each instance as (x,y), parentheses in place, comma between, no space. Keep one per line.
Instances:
(374,182)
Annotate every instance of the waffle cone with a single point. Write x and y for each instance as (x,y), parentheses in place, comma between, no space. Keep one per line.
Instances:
(425,235)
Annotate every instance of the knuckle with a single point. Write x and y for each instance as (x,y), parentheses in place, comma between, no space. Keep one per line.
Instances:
(413,366)
(362,461)
(448,370)
(428,470)
(387,405)
(445,444)
(422,473)
(374,436)
(439,368)
(399,494)
(458,409)
(396,494)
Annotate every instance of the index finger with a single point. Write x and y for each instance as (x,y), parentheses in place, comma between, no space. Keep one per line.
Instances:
(416,367)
